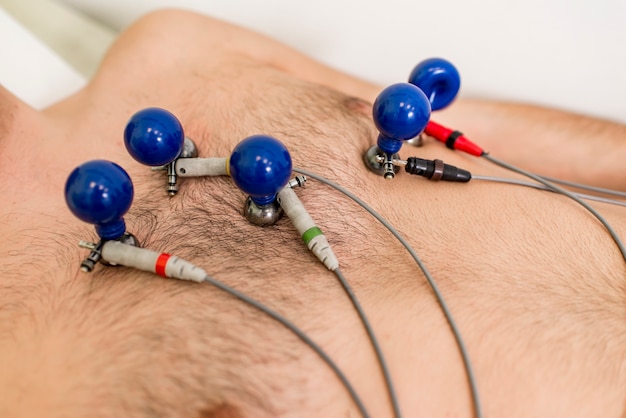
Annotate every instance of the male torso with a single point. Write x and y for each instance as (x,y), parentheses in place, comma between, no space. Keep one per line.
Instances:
(534,282)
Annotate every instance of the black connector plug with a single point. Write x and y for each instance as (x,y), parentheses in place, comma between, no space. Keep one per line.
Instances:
(436,170)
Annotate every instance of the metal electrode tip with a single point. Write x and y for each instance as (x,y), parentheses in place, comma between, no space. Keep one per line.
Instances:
(262,215)
(190,150)
(418,141)
(388,167)
(87,244)
(376,161)
(297,181)
(172,187)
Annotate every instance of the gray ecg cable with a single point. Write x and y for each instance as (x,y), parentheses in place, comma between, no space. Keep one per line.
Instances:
(143,259)
(317,243)
(539,186)
(581,186)
(118,253)
(372,337)
(310,233)
(438,295)
(300,334)
(563,192)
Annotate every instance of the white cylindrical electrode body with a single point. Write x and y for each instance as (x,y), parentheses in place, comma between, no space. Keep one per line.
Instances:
(312,236)
(162,264)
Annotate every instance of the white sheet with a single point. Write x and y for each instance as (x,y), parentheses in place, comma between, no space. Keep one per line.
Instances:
(567,54)
(30,70)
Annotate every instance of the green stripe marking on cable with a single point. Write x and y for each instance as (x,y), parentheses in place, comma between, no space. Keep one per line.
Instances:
(311,233)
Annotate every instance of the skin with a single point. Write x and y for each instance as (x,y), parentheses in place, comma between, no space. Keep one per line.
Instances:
(534,282)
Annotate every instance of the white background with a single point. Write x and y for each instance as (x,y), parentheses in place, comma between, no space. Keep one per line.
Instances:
(567,54)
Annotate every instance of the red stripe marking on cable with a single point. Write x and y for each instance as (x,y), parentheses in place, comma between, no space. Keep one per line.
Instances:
(159,267)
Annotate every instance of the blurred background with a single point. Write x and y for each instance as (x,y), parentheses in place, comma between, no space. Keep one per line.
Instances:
(569,54)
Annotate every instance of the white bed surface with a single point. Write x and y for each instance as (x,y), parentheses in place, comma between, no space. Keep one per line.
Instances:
(568,55)
(31,70)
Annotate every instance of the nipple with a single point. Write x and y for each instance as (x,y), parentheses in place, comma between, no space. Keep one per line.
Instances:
(400,112)
(260,166)
(155,137)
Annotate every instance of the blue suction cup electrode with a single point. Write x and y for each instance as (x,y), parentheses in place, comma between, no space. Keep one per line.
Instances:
(438,79)
(260,166)
(154,137)
(401,112)
(100,192)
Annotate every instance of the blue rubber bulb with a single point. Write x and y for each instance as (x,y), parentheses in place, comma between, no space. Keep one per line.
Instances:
(154,136)
(401,112)
(260,166)
(100,192)
(438,79)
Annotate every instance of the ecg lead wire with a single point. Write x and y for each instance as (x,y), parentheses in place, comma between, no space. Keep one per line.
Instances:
(374,340)
(581,186)
(444,134)
(317,243)
(299,333)
(539,186)
(564,192)
(118,253)
(438,295)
